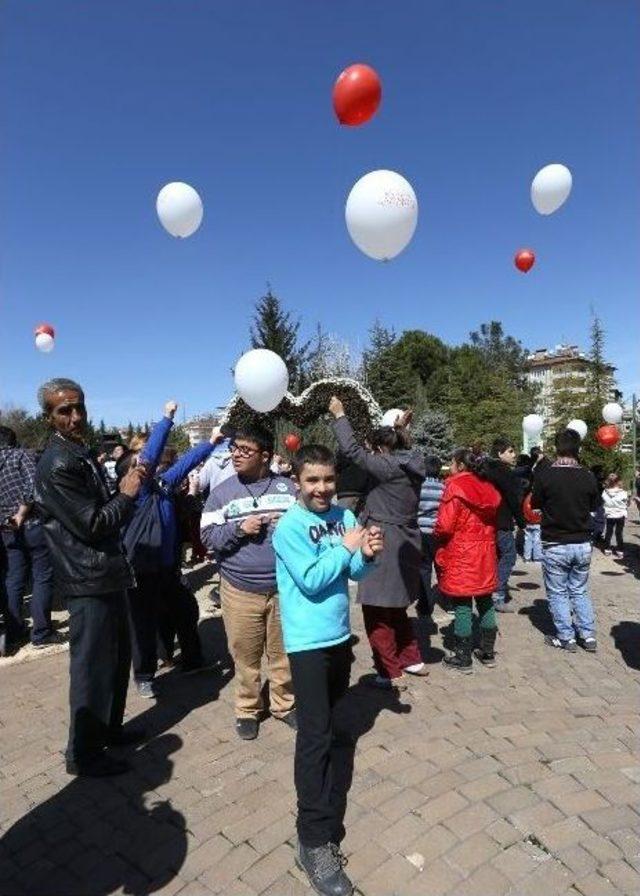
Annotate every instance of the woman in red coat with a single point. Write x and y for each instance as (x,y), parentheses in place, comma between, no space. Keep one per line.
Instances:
(466,558)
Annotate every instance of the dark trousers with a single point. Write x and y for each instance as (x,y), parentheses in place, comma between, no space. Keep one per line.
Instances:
(99,661)
(320,679)
(610,526)
(26,552)
(506,546)
(392,639)
(161,605)
(427,599)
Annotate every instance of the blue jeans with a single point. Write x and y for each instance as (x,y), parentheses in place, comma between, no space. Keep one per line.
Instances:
(532,543)
(506,545)
(565,568)
(26,550)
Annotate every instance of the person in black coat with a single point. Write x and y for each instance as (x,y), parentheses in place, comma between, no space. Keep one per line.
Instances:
(82,524)
(499,470)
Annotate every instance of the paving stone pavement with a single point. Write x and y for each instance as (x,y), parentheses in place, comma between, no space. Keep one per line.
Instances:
(523,779)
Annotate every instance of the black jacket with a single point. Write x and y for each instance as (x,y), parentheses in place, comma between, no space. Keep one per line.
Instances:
(82,521)
(510,486)
(566,495)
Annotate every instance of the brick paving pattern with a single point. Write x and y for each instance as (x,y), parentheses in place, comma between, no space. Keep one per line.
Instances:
(523,779)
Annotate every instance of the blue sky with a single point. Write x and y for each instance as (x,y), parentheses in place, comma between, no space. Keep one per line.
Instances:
(104,102)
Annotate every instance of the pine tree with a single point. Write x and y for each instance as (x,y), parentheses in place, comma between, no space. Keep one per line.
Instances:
(386,373)
(432,433)
(275,329)
(130,431)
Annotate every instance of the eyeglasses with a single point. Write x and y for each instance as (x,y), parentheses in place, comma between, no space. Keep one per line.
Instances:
(242,450)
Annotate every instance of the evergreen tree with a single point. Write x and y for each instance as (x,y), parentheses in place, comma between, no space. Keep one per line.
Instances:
(130,431)
(432,433)
(275,329)
(102,429)
(386,373)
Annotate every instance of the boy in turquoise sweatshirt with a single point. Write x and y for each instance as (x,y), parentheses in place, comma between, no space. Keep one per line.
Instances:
(319,547)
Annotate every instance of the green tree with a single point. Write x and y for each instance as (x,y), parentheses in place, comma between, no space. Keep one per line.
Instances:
(273,328)
(385,371)
(130,431)
(432,433)
(179,439)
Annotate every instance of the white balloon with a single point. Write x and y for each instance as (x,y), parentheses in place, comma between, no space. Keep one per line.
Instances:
(612,412)
(381,214)
(390,418)
(550,188)
(179,208)
(261,379)
(533,424)
(44,342)
(578,426)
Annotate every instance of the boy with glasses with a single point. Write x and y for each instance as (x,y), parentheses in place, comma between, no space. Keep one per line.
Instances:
(237,526)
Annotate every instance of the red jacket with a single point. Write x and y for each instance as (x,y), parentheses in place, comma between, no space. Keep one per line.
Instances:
(466,559)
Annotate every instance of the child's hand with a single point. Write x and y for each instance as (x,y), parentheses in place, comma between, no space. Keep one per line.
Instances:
(194,482)
(373,543)
(353,539)
(336,407)
(170,409)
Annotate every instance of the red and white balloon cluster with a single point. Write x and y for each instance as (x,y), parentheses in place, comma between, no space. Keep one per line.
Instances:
(609,435)
(45,337)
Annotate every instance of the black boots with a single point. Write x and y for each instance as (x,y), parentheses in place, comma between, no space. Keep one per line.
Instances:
(485,653)
(323,867)
(460,659)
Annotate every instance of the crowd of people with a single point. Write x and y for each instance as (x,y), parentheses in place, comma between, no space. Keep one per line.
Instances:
(106,530)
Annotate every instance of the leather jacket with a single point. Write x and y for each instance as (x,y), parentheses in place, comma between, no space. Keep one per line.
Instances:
(81,520)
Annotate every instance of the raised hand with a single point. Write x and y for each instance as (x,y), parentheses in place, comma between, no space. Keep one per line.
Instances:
(336,407)
(170,409)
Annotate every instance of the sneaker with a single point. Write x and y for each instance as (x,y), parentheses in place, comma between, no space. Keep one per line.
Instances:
(291,719)
(247,729)
(619,555)
(589,644)
(100,767)
(553,641)
(607,552)
(323,867)
(420,669)
(48,641)
(214,597)
(145,689)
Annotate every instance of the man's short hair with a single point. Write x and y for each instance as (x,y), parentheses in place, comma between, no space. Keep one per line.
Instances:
(500,445)
(258,435)
(536,451)
(57,384)
(8,438)
(312,454)
(567,443)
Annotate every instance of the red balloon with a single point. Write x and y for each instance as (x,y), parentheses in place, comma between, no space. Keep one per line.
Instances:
(292,442)
(608,436)
(524,260)
(44,328)
(356,95)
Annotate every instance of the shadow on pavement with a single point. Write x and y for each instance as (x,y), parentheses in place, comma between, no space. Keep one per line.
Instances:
(626,637)
(355,715)
(539,616)
(98,836)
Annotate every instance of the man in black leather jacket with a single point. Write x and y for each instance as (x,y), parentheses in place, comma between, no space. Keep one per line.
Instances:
(82,523)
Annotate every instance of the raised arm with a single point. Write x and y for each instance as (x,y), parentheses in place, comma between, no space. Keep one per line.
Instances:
(376,465)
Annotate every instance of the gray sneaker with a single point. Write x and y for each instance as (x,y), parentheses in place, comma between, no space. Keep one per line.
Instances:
(323,867)
(145,689)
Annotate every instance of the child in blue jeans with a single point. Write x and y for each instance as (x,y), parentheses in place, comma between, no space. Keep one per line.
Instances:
(319,546)
(532,538)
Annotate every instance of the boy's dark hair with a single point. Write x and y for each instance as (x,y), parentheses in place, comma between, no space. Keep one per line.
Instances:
(499,445)
(432,466)
(8,438)
(536,451)
(258,435)
(312,454)
(388,437)
(523,460)
(567,443)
